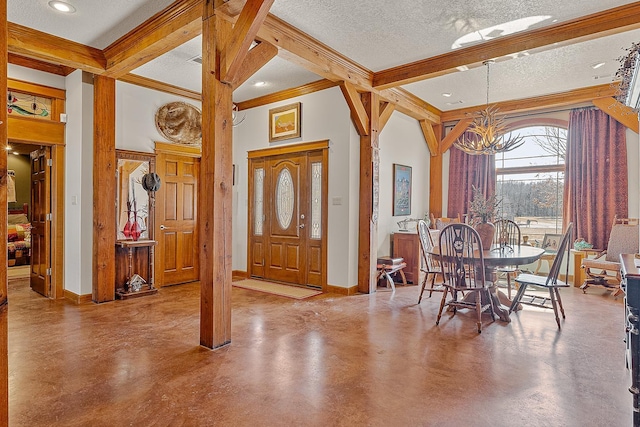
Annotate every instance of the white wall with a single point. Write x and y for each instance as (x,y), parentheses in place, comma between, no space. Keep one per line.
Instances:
(34,76)
(402,142)
(135,116)
(79,184)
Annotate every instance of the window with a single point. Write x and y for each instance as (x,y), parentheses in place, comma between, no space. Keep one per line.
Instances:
(530,181)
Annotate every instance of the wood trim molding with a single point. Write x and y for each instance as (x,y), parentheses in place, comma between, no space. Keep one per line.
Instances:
(27,129)
(239,275)
(351,290)
(386,110)
(183,150)
(409,104)
(36,89)
(77,299)
(57,225)
(283,95)
(288,149)
(137,80)
(607,22)
(538,103)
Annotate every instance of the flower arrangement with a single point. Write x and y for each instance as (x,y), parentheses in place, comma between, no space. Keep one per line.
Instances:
(483,209)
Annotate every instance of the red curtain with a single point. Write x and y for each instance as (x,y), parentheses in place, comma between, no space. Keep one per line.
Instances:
(465,171)
(595,185)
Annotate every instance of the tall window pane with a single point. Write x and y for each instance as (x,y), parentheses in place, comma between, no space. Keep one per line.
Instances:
(316,200)
(258,201)
(530,181)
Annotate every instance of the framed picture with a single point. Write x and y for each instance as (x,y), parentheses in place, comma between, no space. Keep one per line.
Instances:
(401,190)
(284,122)
(551,241)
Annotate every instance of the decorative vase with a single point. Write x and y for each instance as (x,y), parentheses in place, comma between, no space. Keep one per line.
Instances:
(127,227)
(486,231)
(135,229)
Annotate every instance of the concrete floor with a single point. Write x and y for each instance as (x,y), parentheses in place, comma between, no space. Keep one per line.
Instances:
(375,360)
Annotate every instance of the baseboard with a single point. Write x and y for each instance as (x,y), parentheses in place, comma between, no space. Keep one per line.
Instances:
(77,299)
(353,290)
(238,275)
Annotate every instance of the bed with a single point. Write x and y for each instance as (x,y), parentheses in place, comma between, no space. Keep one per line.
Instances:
(18,236)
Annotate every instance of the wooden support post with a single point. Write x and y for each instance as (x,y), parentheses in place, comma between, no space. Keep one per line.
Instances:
(214,193)
(104,189)
(4,353)
(435,177)
(369,194)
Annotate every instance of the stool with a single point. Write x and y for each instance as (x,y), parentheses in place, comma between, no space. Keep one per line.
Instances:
(387,270)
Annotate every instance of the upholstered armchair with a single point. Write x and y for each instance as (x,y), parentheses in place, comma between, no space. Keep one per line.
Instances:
(604,271)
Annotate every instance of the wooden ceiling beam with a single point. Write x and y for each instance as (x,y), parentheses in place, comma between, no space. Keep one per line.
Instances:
(409,104)
(542,102)
(256,59)
(611,21)
(356,106)
(386,110)
(430,137)
(454,134)
(178,23)
(244,33)
(34,44)
(618,111)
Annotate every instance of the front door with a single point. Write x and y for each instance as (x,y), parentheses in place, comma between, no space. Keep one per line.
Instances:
(41,221)
(176,219)
(287,221)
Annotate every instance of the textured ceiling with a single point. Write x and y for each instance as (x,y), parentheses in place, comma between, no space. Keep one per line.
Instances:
(375,34)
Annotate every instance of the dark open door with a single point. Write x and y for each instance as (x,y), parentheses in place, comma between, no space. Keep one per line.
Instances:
(41,221)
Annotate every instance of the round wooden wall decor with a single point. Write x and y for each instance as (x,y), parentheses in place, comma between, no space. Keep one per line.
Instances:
(180,122)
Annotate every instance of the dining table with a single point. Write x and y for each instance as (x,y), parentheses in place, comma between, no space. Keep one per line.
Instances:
(501,256)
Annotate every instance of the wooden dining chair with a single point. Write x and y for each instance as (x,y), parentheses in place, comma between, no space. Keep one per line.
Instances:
(428,266)
(462,264)
(507,236)
(551,282)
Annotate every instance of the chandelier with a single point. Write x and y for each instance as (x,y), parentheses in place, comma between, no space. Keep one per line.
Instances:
(488,131)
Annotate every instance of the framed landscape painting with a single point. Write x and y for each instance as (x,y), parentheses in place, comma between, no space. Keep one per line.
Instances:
(401,190)
(284,122)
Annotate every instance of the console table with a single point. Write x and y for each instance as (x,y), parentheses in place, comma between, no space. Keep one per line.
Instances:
(132,247)
(407,245)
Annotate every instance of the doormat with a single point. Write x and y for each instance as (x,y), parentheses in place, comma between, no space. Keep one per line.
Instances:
(277,289)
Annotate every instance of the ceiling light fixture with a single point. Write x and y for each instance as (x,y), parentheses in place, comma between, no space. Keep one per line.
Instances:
(61,6)
(489,130)
(260,84)
(16,153)
(236,117)
(8,147)
(446,94)
(597,65)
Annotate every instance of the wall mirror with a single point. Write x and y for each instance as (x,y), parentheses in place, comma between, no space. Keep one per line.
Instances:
(134,214)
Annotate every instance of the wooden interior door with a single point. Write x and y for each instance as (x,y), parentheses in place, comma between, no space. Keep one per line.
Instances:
(41,221)
(285,214)
(287,230)
(176,227)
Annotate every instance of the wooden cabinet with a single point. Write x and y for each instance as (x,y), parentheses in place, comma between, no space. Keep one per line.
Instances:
(407,246)
(134,257)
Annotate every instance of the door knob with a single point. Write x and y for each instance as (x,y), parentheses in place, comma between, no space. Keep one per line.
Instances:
(301,226)
(163,227)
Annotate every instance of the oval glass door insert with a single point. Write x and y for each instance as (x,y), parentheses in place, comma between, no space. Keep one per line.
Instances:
(284,198)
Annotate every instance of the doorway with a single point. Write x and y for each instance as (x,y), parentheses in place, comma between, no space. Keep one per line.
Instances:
(287,238)
(36,181)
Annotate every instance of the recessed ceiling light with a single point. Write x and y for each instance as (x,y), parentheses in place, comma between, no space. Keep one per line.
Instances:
(61,6)
(16,153)
(446,94)
(8,147)
(597,65)
(259,84)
